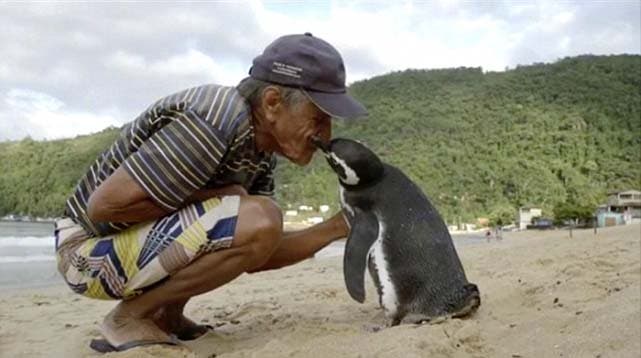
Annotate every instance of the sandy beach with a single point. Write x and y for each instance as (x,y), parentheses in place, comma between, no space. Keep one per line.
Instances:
(544,295)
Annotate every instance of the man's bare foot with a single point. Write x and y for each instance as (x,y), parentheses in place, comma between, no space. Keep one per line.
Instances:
(173,321)
(121,328)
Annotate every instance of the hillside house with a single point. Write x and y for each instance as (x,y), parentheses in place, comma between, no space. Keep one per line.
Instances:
(526,214)
(622,207)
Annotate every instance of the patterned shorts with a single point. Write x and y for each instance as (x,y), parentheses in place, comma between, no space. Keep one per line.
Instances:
(125,264)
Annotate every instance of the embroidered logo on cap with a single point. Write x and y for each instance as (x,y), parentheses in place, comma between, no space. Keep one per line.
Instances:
(287,70)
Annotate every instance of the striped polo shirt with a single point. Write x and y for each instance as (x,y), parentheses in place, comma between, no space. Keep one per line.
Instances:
(198,138)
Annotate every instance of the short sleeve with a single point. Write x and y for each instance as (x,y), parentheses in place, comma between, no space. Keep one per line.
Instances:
(178,159)
(264,183)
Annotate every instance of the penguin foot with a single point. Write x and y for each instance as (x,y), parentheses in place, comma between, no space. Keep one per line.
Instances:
(472,304)
(419,319)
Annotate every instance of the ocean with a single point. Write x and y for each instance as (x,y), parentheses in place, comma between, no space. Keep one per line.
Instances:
(27,258)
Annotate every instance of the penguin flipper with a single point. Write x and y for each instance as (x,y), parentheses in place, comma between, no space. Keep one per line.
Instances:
(363,233)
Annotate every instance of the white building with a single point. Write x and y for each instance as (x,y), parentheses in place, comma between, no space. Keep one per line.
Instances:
(314,220)
(291,213)
(526,214)
(627,202)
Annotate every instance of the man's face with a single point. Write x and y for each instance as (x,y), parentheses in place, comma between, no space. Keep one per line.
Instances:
(294,128)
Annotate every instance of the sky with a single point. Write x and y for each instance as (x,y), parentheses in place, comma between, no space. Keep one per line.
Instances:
(70,68)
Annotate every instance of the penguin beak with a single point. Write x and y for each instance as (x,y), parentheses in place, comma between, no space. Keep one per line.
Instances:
(320,144)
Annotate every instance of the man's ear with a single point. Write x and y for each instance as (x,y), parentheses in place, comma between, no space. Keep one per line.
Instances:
(272,102)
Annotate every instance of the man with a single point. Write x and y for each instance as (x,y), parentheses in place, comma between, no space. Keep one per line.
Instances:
(179,205)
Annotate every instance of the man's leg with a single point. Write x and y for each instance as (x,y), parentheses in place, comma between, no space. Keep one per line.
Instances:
(258,233)
(295,246)
(171,319)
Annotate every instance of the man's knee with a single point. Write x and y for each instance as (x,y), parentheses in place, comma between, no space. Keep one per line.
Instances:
(259,227)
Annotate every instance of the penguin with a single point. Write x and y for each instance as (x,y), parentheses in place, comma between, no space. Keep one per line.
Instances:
(398,235)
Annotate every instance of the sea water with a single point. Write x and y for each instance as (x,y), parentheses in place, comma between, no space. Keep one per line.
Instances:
(27,255)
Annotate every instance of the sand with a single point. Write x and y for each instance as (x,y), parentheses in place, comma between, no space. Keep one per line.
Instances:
(544,295)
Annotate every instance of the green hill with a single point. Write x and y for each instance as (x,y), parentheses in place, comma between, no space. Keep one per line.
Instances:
(479,144)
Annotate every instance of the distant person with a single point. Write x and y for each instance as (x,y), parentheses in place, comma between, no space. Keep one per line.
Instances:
(498,233)
(488,235)
(180,204)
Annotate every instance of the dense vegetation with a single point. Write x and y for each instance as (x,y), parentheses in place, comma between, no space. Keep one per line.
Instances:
(36,177)
(479,144)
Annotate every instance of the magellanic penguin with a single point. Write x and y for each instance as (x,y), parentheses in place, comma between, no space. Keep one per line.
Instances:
(397,233)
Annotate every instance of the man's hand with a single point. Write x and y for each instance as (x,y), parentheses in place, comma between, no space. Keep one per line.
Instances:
(339,225)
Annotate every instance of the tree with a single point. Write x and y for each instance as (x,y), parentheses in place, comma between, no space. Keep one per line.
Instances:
(564,212)
(502,215)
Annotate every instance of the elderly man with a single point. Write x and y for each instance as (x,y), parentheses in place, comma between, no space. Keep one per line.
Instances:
(180,204)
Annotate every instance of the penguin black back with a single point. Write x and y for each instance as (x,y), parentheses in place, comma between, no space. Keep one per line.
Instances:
(399,236)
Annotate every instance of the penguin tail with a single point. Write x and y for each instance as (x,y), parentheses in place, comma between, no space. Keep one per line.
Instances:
(472,301)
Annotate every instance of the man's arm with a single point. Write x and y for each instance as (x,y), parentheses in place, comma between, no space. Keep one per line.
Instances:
(121,199)
(303,244)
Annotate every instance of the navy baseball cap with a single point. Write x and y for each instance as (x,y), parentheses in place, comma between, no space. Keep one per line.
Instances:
(314,66)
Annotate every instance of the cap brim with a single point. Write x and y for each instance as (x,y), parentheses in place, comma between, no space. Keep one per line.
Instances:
(338,105)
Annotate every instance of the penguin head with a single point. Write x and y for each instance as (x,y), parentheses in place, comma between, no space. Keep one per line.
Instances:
(355,164)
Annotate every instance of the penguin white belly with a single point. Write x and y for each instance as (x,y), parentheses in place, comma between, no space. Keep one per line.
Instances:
(388,298)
